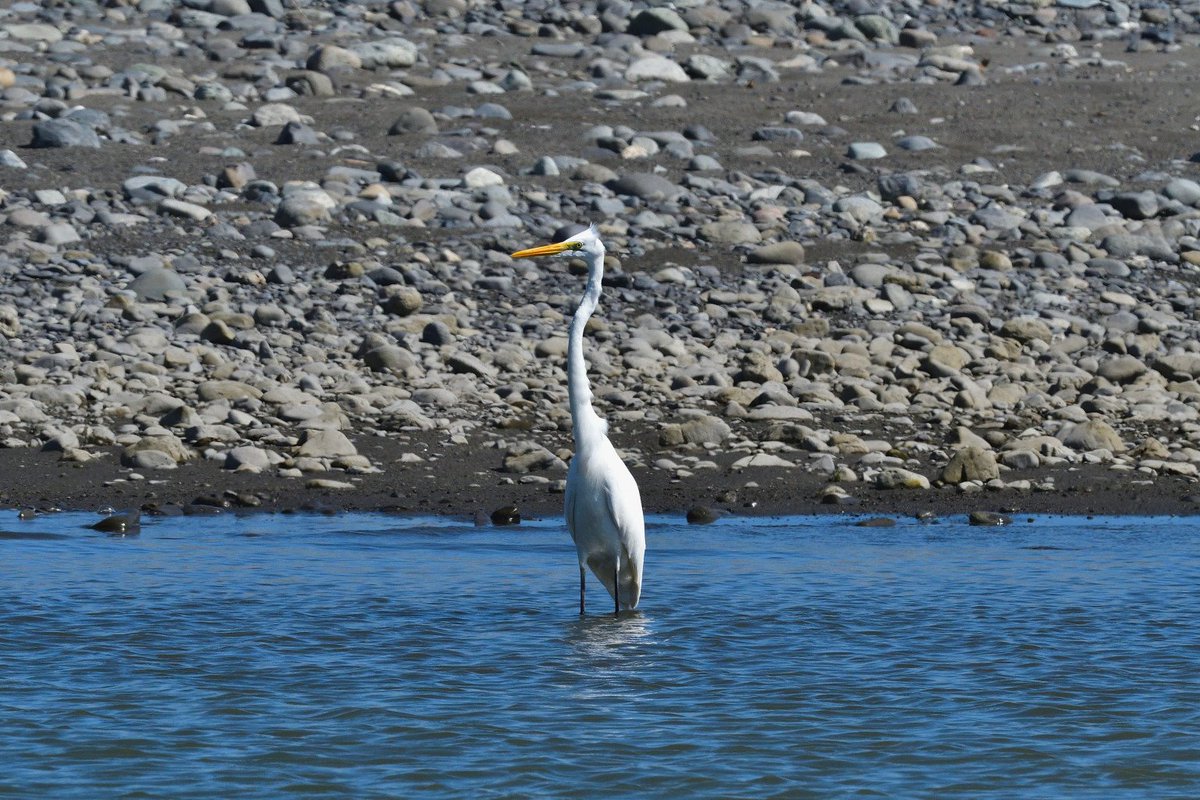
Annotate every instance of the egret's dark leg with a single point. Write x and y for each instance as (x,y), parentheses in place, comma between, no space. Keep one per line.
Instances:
(617,588)
(582,581)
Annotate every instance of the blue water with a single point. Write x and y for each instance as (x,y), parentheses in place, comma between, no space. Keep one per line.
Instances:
(365,656)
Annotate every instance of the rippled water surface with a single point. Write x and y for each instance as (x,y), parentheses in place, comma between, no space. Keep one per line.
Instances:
(375,656)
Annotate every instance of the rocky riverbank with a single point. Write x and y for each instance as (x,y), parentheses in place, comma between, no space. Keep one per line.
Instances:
(879,257)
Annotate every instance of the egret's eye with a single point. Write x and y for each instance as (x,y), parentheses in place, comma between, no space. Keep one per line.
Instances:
(576,245)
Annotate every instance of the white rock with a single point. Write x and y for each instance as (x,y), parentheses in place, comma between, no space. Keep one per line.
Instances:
(387,53)
(761,460)
(247,459)
(656,68)
(181,208)
(326,443)
(34,32)
(59,233)
(480,177)
(898,478)
(275,114)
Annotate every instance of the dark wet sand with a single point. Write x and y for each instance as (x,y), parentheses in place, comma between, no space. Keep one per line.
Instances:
(466,480)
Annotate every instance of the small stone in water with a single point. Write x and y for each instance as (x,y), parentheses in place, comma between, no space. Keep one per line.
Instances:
(989,518)
(120,523)
(506,515)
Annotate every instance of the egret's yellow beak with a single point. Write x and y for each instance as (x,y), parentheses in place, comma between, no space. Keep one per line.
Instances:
(548,249)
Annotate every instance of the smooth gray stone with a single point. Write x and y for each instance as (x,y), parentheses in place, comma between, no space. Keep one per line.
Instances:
(708,68)
(730,232)
(1121,322)
(1121,369)
(149,459)
(650,21)
(298,133)
(645,185)
(656,68)
(898,296)
(404,302)
(1136,205)
(1184,190)
(437,333)
(64,133)
(916,144)
(555,50)
(1051,261)
(247,457)
(898,185)
(272,8)
(515,80)
(390,53)
(302,208)
(1108,266)
(152,188)
(753,68)
(1178,366)
(698,430)
(386,276)
(778,134)
(1125,245)
(995,218)
(414,120)
(610,206)
(1090,178)
(1090,216)
(971,76)
(545,166)
(777,253)
(1047,180)
(389,358)
(1094,434)
(157,284)
(213,91)
(353,175)
(437,150)
(11,160)
(859,206)
(466,363)
(704,163)
(325,443)
(91,117)
(870,276)
(59,233)
(877,28)
(864,151)
(971,464)
(492,111)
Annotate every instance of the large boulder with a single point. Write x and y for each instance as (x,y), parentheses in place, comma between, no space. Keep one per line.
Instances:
(971,464)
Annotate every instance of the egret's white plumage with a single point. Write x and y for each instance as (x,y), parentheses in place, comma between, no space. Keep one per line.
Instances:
(603,506)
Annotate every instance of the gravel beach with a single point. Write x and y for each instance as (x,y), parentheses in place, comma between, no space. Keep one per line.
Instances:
(864,257)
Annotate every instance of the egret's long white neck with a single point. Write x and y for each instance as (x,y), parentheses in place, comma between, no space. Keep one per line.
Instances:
(579,392)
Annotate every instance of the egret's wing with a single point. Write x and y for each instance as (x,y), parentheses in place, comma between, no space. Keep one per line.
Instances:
(569,503)
(624,506)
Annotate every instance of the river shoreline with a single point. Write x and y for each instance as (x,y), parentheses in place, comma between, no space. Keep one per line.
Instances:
(461,481)
(931,259)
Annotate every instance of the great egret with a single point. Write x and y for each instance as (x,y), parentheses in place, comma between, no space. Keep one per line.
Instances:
(603,506)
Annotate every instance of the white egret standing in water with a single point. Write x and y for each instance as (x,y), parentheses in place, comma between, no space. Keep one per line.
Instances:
(603,506)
